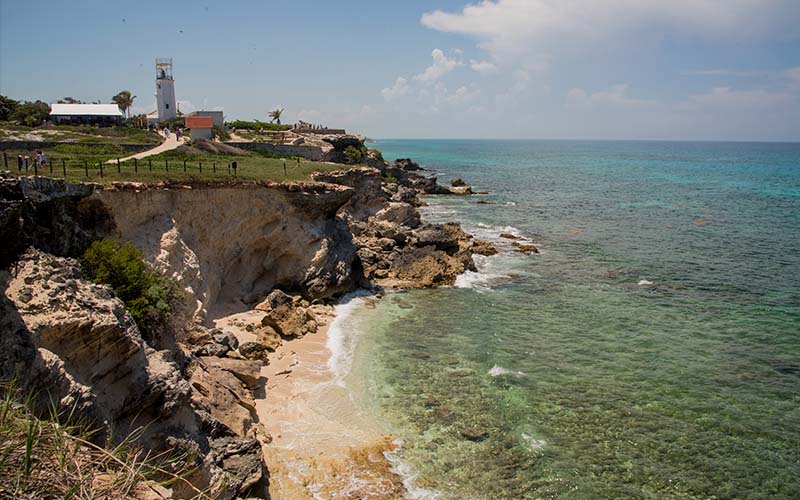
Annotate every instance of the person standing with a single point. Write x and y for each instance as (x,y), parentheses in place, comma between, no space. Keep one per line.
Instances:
(27,162)
(42,159)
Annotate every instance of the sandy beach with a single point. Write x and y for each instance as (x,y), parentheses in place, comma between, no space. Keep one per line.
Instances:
(317,444)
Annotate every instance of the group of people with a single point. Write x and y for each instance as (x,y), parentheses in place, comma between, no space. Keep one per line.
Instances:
(40,160)
(301,125)
(178,133)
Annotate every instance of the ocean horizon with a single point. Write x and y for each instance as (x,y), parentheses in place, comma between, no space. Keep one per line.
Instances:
(650,350)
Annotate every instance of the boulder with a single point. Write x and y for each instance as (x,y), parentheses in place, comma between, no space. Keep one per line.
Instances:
(253,350)
(268,337)
(407,164)
(461,190)
(483,247)
(524,248)
(399,213)
(458,181)
(286,315)
(448,237)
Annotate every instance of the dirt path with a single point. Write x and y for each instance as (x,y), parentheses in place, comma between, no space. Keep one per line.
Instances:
(169,144)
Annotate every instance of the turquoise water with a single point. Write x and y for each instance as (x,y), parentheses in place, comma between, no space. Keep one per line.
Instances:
(652,350)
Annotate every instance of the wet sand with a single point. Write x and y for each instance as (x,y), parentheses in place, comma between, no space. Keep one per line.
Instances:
(318,445)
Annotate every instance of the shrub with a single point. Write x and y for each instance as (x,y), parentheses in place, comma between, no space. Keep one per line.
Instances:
(354,154)
(256,125)
(388,179)
(31,114)
(377,154)
(7,106)
(147,295)
(220,133)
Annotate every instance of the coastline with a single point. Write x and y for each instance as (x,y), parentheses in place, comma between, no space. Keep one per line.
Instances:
(316,442)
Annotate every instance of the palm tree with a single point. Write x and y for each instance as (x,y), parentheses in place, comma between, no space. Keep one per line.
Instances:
(124,100)
(276,115)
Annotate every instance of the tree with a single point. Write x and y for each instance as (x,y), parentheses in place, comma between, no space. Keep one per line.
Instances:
(69,100)
(124,100)
(7,106)
(31,114)
(276,115)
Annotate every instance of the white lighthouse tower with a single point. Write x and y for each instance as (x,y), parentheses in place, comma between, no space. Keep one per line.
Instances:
(165,90)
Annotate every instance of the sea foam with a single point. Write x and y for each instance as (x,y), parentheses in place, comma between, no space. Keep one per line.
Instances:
(407,475)
(498,371)
(342,340)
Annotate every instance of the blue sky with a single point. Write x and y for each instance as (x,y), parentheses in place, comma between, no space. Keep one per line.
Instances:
(585,69)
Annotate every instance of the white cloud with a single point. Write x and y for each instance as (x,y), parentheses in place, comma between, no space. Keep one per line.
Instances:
(617,95)
(462,95)
(722,72)
(186,107)
(399,89)
(793,74)
(440,67)
(726,99)
(482,67)
(509,29)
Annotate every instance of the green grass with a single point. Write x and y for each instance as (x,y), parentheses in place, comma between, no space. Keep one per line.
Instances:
(252,167)
(82,134)
(54,457)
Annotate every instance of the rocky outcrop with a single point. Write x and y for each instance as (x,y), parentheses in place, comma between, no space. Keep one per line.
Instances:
(368,196)
(50,214)
(72,344)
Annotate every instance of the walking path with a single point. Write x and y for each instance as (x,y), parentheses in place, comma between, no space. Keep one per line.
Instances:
(169,144)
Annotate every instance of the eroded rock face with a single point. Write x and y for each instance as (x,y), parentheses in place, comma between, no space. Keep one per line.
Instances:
(228,245)
(73,344)
(50,214)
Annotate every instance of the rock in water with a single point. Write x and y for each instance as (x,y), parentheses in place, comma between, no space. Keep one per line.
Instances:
(474,434)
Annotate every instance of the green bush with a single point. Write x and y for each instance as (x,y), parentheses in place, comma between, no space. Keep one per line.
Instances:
(221,133)
(388,179)
(147,295)
(7,106)
(31,114)
(354,154)
(377,154)
(256,125)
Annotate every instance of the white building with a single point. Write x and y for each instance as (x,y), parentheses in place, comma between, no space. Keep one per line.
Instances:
(86,114)
(167,107)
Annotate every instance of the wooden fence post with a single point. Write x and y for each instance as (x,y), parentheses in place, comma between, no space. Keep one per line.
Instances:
(214,166)
(101,169)
(36,167)
(5,160)
(50,164)
(184,165)
(201,167)
(136,165)
(150,164)
(64,167)
(285,174)
(86,168)
(166,164)
(118,169)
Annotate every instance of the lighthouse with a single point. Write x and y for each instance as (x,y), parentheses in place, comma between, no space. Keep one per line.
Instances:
(165,90)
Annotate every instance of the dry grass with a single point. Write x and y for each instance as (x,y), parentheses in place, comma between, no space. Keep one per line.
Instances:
(53,458)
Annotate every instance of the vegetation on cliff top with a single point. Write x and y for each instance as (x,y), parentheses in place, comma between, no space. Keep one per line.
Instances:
(147,295)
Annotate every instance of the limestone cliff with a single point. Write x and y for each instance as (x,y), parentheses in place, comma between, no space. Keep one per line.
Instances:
(230,246)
